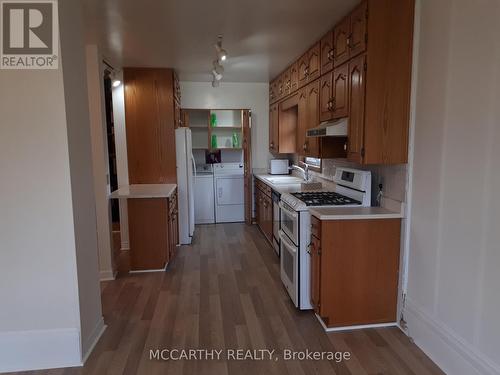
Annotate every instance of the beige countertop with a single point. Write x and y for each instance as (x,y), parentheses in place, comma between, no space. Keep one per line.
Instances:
(144,191)
(354,213)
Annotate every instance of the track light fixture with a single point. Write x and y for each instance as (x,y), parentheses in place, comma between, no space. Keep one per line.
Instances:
(218,69)
(221,52)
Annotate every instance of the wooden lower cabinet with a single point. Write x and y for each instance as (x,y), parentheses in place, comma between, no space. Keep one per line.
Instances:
(153,232)
(264,209)
(355,271)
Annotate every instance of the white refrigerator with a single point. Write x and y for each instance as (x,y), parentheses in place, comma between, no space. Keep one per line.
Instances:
(185,190)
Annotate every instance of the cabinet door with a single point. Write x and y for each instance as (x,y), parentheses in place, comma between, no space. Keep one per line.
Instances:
(341,42)
(271,92)
(280,86)
(325,97)
(357,109)
(312,144)
(273,129)
(294,77)
(327,52)
(302,69)
(315,253)
(341,91)
(358,36)
(313,63)
(275,90)
(257,205)
(268,215)
(302,122)
(286,82)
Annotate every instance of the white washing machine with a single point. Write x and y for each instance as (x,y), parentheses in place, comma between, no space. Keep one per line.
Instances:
(229,193)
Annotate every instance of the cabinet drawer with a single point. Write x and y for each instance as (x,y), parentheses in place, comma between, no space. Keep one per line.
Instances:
(315,227)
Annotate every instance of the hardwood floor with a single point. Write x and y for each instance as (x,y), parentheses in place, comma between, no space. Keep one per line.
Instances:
(224,291)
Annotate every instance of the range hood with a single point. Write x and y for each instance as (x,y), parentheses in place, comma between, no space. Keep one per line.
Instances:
(337,128)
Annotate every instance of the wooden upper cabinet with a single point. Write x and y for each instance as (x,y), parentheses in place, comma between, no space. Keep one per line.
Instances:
(341,41)
(325,97)
(294,77)
(340,89)
(357,84)
(358,35)
(313,62)
(302,65)
(302,121)
(312,143)
(327,52)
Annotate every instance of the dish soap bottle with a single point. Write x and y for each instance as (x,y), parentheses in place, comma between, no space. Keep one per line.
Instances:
(236,140)
(213,120)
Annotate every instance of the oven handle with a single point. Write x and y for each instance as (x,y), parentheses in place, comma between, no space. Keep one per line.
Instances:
(287,242)
(289,212)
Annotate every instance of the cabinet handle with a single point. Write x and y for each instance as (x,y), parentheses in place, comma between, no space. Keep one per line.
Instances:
(349,38)
(330,54)
(305,146)
(334,104)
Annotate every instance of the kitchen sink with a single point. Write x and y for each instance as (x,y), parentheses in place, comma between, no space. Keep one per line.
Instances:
(284,180)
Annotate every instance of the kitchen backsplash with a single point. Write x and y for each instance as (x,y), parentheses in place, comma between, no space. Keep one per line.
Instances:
(392,177)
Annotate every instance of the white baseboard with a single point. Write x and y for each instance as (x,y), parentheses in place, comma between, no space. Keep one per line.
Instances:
(444,347)
(39,349)
(92,340)
(107,275)
(350,328)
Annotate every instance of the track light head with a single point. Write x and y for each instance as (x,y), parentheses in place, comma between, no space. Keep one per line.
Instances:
(221,52)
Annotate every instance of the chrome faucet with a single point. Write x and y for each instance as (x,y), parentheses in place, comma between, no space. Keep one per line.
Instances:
(305,171)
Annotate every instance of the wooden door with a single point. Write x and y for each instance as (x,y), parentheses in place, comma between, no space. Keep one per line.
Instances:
(302,122)
(325,97)
(357,85)
(341,42)
(247,162)
(327,52)
(302,65)
(315,277)
(294,77)
(273,128)
(312,118)
(313,62)
(358,36)
(340,104)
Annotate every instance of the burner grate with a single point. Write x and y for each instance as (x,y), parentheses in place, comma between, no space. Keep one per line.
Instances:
(325,198)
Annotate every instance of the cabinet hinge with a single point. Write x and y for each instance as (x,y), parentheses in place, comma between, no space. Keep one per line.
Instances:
(363,152)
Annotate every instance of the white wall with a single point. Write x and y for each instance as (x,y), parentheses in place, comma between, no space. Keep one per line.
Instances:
(48,253)
(121,154)
(232,95)
(454,261)
(100,164)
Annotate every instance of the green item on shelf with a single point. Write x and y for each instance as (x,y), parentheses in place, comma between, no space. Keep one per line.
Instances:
(214,141)
(213,120)
(236,140)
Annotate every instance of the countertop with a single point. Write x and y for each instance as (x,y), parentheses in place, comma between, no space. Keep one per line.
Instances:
(353,213)
(144,191)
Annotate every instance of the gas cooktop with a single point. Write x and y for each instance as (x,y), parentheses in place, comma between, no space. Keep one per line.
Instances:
(325,198)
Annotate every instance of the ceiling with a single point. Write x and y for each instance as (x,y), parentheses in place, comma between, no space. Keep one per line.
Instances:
(261,36)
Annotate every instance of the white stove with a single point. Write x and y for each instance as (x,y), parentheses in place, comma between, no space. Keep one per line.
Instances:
(352,188)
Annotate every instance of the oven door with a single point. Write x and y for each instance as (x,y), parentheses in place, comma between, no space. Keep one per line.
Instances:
(289,222)
(289,265)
